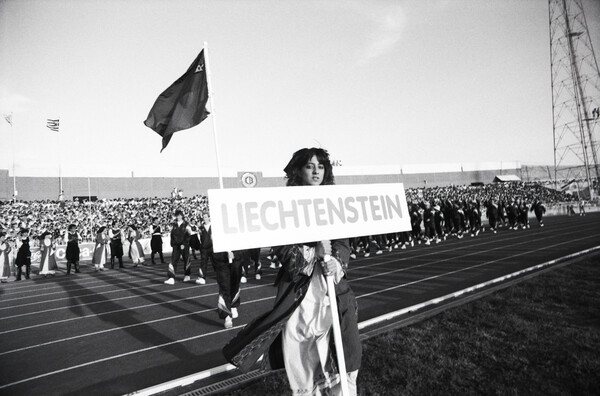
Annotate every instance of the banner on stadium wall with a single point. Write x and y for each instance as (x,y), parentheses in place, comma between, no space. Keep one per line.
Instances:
(244,218)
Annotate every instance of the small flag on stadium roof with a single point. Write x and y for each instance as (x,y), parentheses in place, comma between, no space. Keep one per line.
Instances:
(8,118)
(53,125)
(182,105)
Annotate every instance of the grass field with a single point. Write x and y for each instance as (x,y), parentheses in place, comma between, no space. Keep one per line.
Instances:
(539,337)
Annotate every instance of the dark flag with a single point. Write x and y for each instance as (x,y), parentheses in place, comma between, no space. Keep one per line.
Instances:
(182,105)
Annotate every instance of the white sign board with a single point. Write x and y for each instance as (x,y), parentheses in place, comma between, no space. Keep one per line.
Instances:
(244,218)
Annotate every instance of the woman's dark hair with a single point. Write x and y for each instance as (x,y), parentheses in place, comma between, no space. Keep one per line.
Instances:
(71,226)
(301,158)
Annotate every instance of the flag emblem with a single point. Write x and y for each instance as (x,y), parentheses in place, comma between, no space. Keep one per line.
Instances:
(53,125)
(8,118)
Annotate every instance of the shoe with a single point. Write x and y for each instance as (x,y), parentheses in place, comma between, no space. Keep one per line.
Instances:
(234,313)
(396,246)
(353,256)
(477,232)
(403,247)
(494,231)
(427,243)
(228,322)
(378,252)
(200,281)
(187,278)
(273,265)
(243,280)
(257,277)
(102,268)
(367,254)
(170,281)
(269,258)
(390,249)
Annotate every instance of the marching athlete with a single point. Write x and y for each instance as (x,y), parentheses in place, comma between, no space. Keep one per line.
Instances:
(116,245)
(156,241)
(180,242)
(72,238)
(23,255)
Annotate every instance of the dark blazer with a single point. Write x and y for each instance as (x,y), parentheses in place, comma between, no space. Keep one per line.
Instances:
(179,234)
(263,334)
(206,238)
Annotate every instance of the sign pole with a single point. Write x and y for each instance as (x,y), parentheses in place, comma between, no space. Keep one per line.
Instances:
(212,112)
(335,319)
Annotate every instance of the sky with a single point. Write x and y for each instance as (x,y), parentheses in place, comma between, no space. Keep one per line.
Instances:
(374,82)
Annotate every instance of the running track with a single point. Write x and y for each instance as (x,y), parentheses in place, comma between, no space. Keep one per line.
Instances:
(123,330)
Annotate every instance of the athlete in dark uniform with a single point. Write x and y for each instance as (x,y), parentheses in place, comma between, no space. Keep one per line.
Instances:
(72,254)
(156,241)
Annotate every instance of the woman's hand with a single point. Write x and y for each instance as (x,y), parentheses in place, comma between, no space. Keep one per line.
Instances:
(332,267)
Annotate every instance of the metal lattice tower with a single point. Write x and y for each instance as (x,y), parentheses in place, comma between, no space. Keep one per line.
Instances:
(575,94)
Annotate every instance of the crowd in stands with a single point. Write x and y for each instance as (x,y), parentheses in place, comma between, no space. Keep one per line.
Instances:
(55,216)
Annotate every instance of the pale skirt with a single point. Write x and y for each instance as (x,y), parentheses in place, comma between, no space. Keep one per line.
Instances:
(48,261)
(4,261)
(306,344)
(136,252)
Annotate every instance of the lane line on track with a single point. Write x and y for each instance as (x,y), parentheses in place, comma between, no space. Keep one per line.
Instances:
(432,252)
(118,310)
(436,300)
(252,301)
(138,280)
(117,357)
(391,315)
(189,379)
(95,333)
(468,268)
(252,287)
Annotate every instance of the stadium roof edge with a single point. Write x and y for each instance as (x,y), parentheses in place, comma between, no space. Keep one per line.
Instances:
(408,169)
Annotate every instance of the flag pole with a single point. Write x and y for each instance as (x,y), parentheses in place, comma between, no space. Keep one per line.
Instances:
(212,112)
(12,147)
(60,183)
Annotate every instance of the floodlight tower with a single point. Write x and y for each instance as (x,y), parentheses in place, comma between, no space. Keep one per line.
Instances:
(575,80)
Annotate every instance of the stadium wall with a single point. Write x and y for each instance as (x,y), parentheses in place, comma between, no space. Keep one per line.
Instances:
(42,188)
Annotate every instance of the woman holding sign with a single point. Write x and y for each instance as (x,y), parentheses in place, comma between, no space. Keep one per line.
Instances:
(297,332)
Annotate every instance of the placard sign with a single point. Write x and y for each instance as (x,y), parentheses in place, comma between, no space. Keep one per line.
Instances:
(244,218)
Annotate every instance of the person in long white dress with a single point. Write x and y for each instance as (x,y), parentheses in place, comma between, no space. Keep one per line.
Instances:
(100,249)
(136,251)
(48,261)
(5,249)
